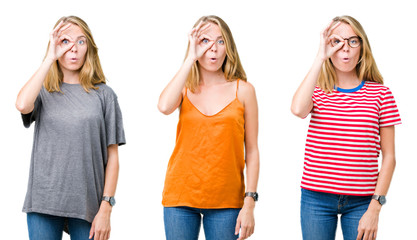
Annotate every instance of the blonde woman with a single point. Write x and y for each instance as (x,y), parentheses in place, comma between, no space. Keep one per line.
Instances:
(218,125)
(352,119)
(74,165)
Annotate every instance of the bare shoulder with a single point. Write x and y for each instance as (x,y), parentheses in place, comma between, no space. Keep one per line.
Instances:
(246,92)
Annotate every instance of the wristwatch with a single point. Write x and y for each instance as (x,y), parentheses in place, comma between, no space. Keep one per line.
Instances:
(111,200)
(253,195)
(380,198)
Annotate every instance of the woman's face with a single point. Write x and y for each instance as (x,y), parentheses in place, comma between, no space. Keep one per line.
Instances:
(73,59)
(346,58)
(212,60)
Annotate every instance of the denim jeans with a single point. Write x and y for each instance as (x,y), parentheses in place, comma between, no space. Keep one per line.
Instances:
(319,214)
(183,223)
(49,227)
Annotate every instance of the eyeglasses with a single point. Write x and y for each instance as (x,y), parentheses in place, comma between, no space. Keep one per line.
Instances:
(353,42)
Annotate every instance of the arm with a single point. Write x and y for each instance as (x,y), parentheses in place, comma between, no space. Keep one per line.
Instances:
(27,95)
(100,227)
(246,221)
(171,97)
(368,225)
(302,104)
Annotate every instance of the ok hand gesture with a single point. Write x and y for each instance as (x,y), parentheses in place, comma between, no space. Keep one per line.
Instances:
(199,43)
(56,46)
(326,48)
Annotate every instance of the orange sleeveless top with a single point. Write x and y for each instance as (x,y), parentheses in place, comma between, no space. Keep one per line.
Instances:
(206,167)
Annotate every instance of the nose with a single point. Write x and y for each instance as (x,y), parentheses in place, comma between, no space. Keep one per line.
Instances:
(74,48)
(214,47)
(346,46)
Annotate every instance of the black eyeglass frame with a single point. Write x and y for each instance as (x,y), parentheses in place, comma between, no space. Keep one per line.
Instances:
(360,41)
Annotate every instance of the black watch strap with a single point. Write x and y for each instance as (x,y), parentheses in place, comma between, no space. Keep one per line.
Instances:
(380,198)
(253,195)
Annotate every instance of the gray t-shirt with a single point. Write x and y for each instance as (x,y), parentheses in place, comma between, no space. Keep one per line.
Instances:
(72,132)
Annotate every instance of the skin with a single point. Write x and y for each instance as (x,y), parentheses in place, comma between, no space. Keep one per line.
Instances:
(345,59)
(67,44)
(214,93)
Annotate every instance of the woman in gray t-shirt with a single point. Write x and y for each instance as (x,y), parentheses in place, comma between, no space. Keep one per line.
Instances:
(74,164)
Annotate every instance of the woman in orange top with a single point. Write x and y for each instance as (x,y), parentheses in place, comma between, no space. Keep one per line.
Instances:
(216,136)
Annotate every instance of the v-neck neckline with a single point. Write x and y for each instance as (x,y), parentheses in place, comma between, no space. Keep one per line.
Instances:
(221,110)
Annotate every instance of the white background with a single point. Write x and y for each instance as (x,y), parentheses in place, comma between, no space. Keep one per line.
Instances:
(142,45)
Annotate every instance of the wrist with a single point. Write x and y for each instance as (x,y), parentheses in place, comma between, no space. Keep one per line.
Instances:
(249,202)
(49,61)
(320,59)
(374,206)
(105,207)
(190,60)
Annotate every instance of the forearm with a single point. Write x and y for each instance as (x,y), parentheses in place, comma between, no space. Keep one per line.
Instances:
(28,94)
(384,180)
(252,176)
(302,103)
(171,96)
(111,174)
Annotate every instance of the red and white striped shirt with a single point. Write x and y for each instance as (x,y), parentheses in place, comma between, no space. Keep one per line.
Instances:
(343,145)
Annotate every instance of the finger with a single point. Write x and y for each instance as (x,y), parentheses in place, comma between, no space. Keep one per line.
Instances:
(326,29)
(204,27)
(91,231)
(334,26)
(97,235)
(57,32)
(63,29)
(57,26)
(64,50)
(237,227)
(243,232)
(375,233)
(366,236)
(360,234)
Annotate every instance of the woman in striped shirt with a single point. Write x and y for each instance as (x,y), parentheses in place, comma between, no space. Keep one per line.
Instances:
(352,119)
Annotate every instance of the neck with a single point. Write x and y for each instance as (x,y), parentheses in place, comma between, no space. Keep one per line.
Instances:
(347,80)
(208,78)
(71,77)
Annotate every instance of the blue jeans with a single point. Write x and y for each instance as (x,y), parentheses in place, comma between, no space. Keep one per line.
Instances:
(183,223)
(319,214)
(49,227)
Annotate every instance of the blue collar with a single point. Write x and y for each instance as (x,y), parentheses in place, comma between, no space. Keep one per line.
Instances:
(350,90)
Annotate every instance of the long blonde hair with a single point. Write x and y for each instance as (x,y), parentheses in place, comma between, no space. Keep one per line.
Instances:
(232,67)
(366,68)
(91,72)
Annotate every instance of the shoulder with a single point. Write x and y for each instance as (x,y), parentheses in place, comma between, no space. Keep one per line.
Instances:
(246,88)
(246,92)
(105,91)
(377,88)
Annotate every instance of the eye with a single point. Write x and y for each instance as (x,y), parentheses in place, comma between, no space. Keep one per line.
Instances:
(65,41)
(220,42)
(336,41)
(81,42)
(205,40)
(353,41)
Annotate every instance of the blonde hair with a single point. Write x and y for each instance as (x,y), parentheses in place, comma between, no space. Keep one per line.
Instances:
(91,72)
(232,67)
(366,68)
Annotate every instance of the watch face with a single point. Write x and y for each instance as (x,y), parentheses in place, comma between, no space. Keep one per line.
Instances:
(112,201)
(382,200)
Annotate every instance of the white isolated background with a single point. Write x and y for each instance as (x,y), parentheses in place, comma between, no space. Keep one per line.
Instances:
(141,46)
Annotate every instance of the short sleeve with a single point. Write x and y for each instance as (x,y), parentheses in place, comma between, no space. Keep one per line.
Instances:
(29,118)
(114,124)
(388,113)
